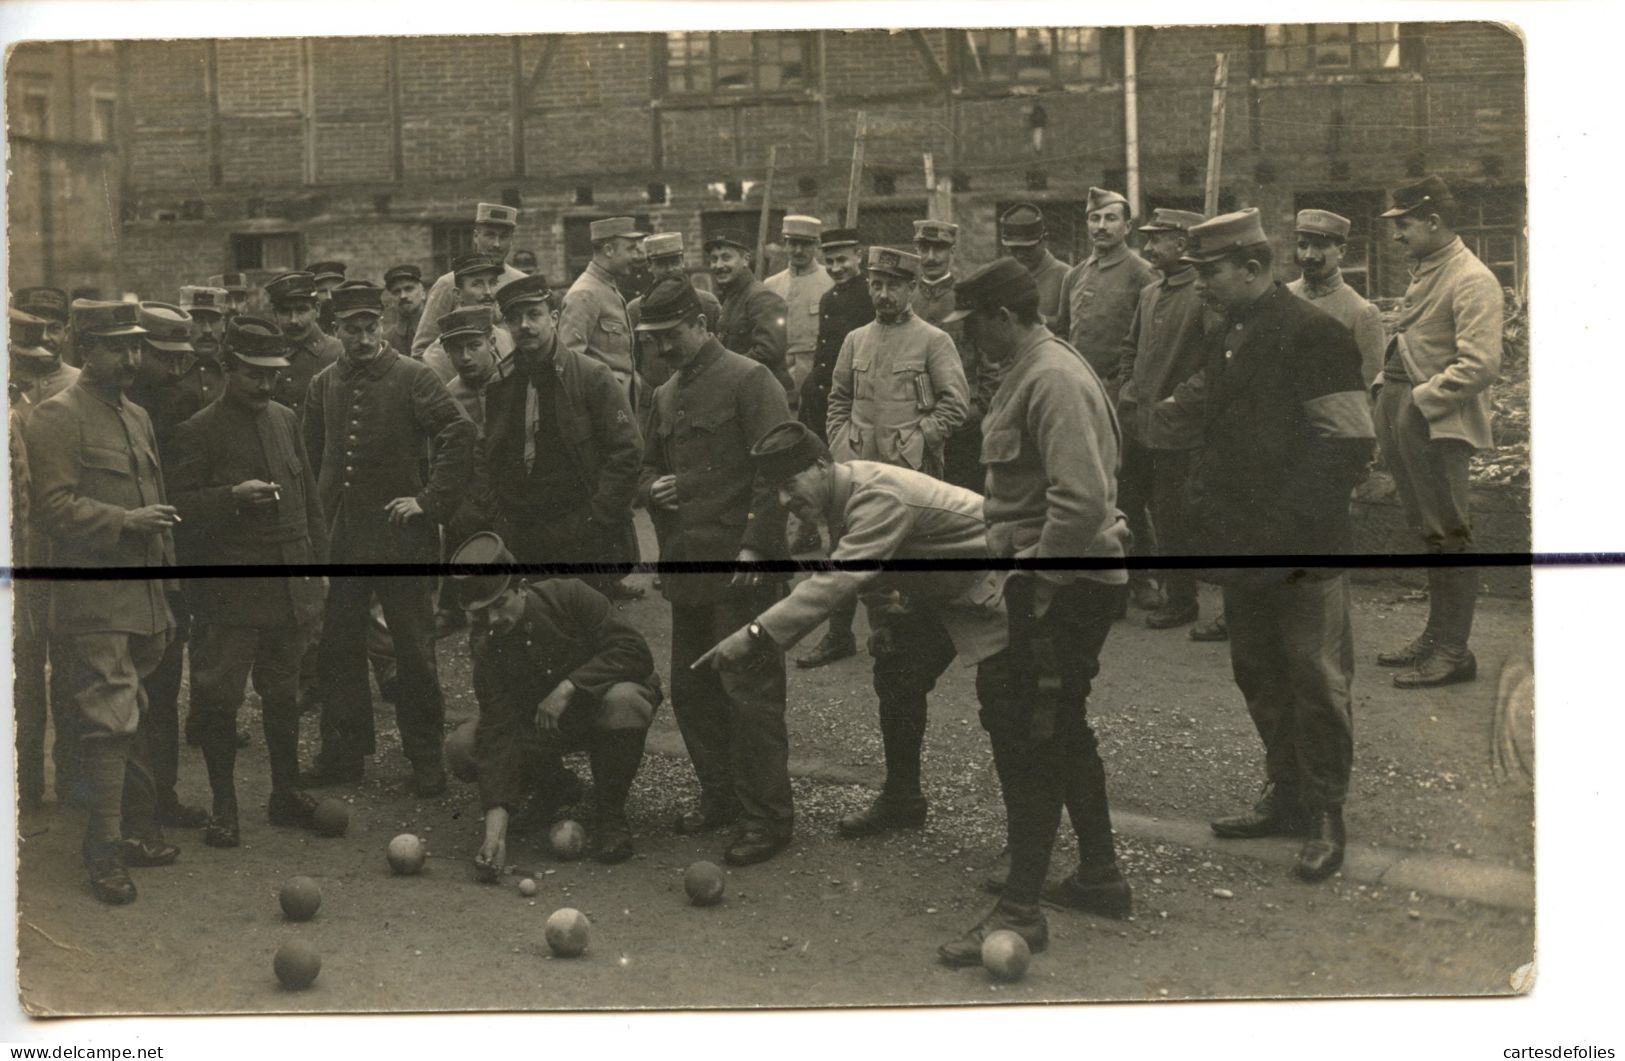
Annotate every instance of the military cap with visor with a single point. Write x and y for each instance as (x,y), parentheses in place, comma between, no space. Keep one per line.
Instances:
(479,589)
(204,301)
(397,273)
(839,237)
(467,320)
(614,228)
(475,263)
(496,214)
(1001,283)
(1166,220)
(1430,191)
(526,289)
(1022,226)
(328,271)
(663,245)
(669,302)
(48,302)
(169,328)
(936,232)
(888,261)
(94,317)
(1323,223)
(257,342)
(359,298)
(802,226)
(231,283)
(287,288)
(725,241)
(1215,239)
(27,335)
(785,450)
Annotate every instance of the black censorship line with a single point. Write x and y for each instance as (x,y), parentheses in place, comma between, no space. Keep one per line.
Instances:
(1080,563)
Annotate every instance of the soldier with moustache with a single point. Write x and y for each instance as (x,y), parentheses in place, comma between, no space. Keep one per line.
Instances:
(663,253)
(801,284)
(310,349)
(753,317)
(1025,237)
(478,276)
(98,496)
(555,670)
(559,465)
(933,301)
(593,319)
(1163,348)
(1322,241)
(494,227)
(244,487)
(51,305)
(405,286)
(709,505)
(367,420)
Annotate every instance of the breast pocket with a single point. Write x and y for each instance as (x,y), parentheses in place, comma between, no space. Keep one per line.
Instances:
(710,442)
(911,386)
(1001,446)
(106,474)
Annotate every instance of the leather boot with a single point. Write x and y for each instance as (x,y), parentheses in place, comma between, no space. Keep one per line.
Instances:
(1146,594)
(1093,891)
(832,648)
(616,755)
(883,815)
(1446,665)
(104,866)
(1421,647)
(1278,813)
(1322,853)
(1171,615)
(1025,921)
(1212,630)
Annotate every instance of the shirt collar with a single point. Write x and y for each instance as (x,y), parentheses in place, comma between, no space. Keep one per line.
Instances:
(373,369)
(1438,257)
(946,281)
(85,384)
(1180,278)
(598,272)
(1111,257)
(1323,288)
(702,360)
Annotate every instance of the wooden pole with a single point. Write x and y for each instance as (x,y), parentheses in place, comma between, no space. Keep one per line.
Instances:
(854,183)
(931,188)
(766,220)
(1215,138)
(1131,122)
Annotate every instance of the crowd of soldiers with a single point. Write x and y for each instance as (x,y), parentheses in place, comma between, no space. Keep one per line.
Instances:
(1031,425)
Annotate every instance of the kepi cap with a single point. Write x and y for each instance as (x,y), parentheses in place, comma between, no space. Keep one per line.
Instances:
(204,300)
(839,237)
(802,226)
(1165,220)
(475,263)
(1323,223)
(668,303)
(936,232)
(1022,226)
(48,302)
(663,245)
(614,228)
(92,317)
(256,342)
(297,286)
(1429,191)
(786,449)
(522,291)
(1003,282)
(354,299)
(168,327)
(321,271)
(496,214)
(725,241)
(27,337)
(396,273)
(231,283)
(888,261)
(467,320)
(474,591)
(1212,240)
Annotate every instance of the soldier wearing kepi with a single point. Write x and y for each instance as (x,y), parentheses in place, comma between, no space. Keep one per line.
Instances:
(405,286)
(1050,441)
(478,277)
(1162,349)
(1322,239)
(367,420)
(468,337)
(51,304)
(559,465)
(1023,235)
(293,305)
(243,485)
(708,504)
(555,670)
(933,301)
(664,254)
(593,319)
(802,285)
(494,227)
(1433,410)
(1287,432)
(753,317)
(98,496)
(899,389)
(327,275)
(238,292)
(883,512)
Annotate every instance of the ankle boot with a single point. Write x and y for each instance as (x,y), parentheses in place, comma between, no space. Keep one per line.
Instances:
(1024,920)
(616,755)
(1278,813)
(1322,853)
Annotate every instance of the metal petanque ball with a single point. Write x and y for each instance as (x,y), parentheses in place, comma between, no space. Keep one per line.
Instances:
(703,882)
(566,932)
(297,964)
(567,839)
(406,855)
(332,817)
(1006,955)
(300,898)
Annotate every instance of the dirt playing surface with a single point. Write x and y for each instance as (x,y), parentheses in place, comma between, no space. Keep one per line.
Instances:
(831,921)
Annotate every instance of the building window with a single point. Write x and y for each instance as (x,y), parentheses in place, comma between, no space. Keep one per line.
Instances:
(888,226)
(1362,260)
(103,115)
(272,252)
(578,241)
(33,115)
(449,241)
(704,62)
(1490,223)
(1035,56)
(1333,47)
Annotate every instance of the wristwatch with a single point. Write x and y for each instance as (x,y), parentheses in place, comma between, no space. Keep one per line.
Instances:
(757,634)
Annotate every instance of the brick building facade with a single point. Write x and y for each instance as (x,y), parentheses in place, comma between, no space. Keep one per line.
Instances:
(266,154)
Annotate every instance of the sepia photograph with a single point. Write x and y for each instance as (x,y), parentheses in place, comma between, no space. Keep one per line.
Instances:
(691,518)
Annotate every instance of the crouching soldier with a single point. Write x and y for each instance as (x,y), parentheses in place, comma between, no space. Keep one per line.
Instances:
(247,493)
(555,670)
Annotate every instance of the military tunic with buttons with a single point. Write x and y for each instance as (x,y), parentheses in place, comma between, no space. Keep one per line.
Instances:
(567,631)
(1050,276)
(899,391)
(752,325)
(306,357)
(1097,302)
(844,307)
(178,398)
(593,322)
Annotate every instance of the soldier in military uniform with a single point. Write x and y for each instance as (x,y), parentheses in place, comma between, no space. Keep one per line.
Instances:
(50,304)
(525,262)
(555,670)
(367,419)
(1163,348)
(310,349)
(478,277)
(752,321)
(593,319)
(405,286)
(327,275)
(1322,241)
(559,465)
(494,227)
(802,285)
(98,496)
(37,374)
(1024,236)
(934,242)
(844,307)
(663,252)
(922,620)
(708,504)
(239,293)
(243,485)
(1050,441)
